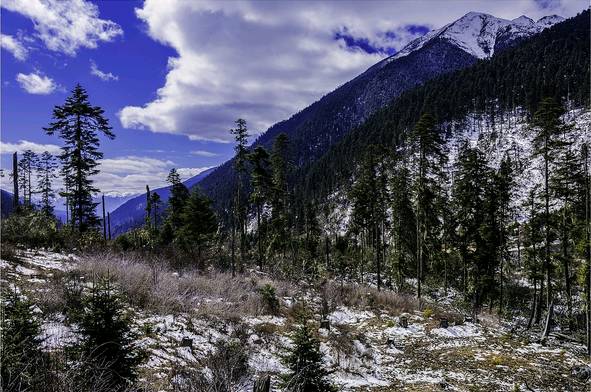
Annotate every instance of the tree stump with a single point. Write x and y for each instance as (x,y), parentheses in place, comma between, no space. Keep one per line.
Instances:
(443,322)
(325,323)
(262,384)
(187,342)
(403,321)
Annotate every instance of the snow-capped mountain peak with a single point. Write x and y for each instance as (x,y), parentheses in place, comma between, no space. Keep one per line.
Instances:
(479,34)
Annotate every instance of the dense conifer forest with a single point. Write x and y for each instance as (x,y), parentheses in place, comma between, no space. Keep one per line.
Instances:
(460,209)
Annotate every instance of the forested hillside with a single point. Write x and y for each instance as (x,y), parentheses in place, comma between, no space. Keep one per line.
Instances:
(554,63)
(424,227)
(316,128)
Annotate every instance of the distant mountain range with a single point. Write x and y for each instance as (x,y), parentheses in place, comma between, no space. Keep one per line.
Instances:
(316,128)
(132,212)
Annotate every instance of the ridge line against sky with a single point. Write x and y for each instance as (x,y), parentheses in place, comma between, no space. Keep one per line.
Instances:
(172,76)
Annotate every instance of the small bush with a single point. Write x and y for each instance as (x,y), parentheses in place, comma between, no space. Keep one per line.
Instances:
(269,298)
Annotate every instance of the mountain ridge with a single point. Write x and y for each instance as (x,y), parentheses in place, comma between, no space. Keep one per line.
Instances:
(313,130)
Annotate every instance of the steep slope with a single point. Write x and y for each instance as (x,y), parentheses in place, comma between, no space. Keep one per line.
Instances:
(131,214)
(322,124)
(554,63)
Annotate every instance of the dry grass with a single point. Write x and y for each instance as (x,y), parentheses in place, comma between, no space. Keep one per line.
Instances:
(369,297)
(151,285)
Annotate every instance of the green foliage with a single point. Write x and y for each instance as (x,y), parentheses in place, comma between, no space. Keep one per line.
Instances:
(32,229)
(269,298)
(137,239)
(280,219)
(21,356)
(107,342)
(178,197)
(553,63)
(46,172)
(198,224)
(78,124)
(307,372)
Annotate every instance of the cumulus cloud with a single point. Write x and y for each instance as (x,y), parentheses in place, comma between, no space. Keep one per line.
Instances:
(66,25)
(23,145)
(202,153)
(14,46)
(106,76)
(129,175)
(263,61)
(35,83)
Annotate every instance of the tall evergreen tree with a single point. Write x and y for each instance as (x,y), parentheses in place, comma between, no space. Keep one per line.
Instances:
(471,196)
(548,127)
(79,124)
(261,189)
(148,218)
(239,205)
(178,197)
(403,221)
(426,144)
(155,203)
(369,198)
(504,186)
(199,224)
(280,222)
(27,166)
(46,173)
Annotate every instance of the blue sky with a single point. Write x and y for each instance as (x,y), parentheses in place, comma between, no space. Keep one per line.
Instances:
(173,75)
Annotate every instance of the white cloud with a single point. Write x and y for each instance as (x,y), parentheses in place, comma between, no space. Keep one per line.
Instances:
(14,46)
(264,60)
(106,76)
(35,83)
(23,145)
(130,174)
(202,153)
(66,25)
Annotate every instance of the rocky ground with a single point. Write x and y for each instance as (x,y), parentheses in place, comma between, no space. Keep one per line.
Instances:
(365,348)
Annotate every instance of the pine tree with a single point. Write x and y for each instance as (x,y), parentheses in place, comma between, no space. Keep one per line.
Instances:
(306,364)
(261,189)
(548,128)
(280,222)
(403,221)
(79,124)
(199,223)
(107,341)
(426,144)
(155,202)
(567,185)
(46,173)
(178,197)
(239,205)
(27,166)
(369,198)
(148,217)
(20,351)
(504,185)
(470,197)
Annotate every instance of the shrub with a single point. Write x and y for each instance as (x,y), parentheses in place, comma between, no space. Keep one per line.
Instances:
(305,363)
(21,357)
(269,298)
(107,340)
(31,229)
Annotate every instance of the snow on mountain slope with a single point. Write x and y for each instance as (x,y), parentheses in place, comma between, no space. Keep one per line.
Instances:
(479,34)
(511,135)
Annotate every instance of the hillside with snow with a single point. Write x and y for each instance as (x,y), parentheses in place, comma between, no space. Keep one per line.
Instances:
(371,341)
